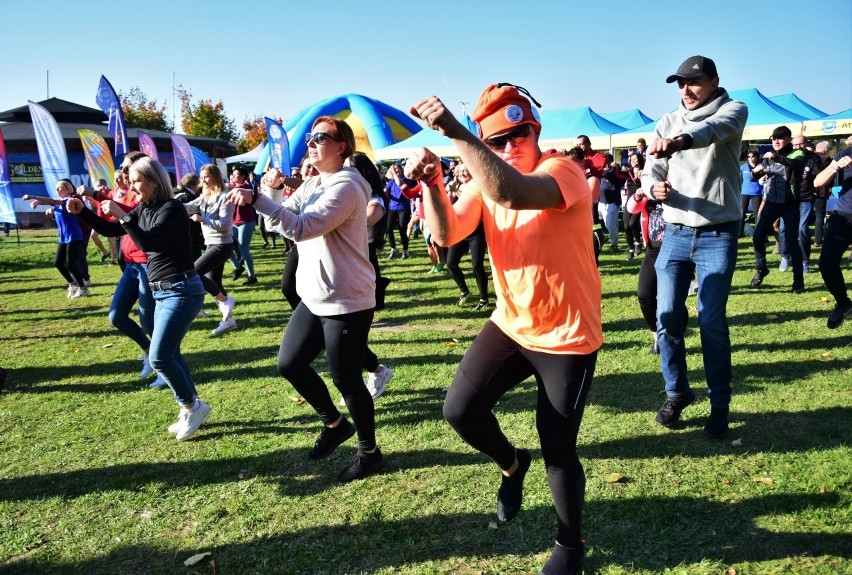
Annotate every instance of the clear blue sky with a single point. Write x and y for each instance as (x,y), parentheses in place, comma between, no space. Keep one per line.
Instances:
(275,58)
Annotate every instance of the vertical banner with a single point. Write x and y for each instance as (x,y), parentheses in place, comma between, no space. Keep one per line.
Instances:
(146,145)
(98,158)
(108,101)
(184,160)
(51,148)
(278,145)
(7,204)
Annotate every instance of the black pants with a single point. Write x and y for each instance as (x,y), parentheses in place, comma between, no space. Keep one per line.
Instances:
(789,213)
(210,266)
(633,231)
(755,205)
(819,219)
(288,278)
(493,365)
(475,244)
(837,239)
(398,219)
(67,261)
(344,338)
(647,287)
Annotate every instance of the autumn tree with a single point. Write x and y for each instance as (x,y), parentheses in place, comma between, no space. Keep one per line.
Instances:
(139,112)
(204,119)
(254,130)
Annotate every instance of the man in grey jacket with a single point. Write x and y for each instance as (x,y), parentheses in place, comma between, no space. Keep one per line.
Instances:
(693,168)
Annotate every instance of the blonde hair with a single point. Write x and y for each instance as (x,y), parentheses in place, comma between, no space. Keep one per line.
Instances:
(154,172)
(218,182)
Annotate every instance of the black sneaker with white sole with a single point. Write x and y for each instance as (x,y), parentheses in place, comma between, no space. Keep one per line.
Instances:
(331,438)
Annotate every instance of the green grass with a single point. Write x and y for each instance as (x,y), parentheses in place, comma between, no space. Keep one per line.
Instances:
(91,482)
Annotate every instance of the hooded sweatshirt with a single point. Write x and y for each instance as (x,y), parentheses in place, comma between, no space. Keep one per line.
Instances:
(327,218)
(705,175)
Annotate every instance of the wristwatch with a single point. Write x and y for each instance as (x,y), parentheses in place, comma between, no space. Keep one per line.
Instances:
(126,219)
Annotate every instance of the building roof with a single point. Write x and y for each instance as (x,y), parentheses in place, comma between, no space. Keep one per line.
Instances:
(61,110)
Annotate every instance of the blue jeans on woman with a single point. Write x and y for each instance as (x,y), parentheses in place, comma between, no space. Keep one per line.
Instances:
(133,286)
(173,314)
(711,253)
(242,239)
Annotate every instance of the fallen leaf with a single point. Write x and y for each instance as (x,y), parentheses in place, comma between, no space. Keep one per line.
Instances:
(726,482)
(107,345)
(613,477)
(492,525)
(826,354)
(450,344)
(731,571)
(75,350)
(771,316)
(823,299)
(196,558)
(253,320)
(298,400)
(766,480)
(146,514)
(737,442)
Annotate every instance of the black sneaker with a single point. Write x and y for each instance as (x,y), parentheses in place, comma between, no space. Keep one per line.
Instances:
(237,273)
(669,413)
(655,348)
(331,438)
(797,288)
(717,423)
(511,490)
(837,316)
(251,280)
(630,255)
(483,303)
(363,465)
(759,274)
(565,561)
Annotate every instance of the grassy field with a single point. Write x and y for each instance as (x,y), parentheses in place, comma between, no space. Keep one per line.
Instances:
(91,482)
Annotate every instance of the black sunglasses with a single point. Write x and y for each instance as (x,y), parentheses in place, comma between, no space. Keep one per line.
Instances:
(515,135)
(319,137)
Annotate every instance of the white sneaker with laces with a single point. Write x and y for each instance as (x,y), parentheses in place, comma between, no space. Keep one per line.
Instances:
(81,292)
(227,307)
(72,291)
(225,325)
(189,421)
(377,382)
(158,383)
(147,370)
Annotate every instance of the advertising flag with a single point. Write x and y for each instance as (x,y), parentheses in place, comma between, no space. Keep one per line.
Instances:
(279,146)
(108,101)
(184,160)
(7,205)
(51,148)
(98,158)
(146,145)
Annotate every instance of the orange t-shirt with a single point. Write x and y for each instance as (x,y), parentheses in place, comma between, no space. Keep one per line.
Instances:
(543,263)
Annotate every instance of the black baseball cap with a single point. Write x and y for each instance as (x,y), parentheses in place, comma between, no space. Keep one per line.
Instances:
(781,132)
(692,68)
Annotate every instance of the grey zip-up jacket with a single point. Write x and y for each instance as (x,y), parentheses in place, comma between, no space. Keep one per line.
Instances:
(328,221)
(705,176)
(217,218)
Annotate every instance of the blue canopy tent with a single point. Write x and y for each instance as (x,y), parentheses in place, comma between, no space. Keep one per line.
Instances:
(560,128)
(627,138)
(628,119)
(798,106)
(839,124)
(764,115)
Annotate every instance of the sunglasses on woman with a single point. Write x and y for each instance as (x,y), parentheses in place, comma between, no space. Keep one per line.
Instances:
(319,137)
(516,136)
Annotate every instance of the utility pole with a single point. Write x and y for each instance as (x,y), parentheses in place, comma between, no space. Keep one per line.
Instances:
(464,113)
(48,84)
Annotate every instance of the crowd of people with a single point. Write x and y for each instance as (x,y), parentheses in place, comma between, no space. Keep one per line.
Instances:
(686,199)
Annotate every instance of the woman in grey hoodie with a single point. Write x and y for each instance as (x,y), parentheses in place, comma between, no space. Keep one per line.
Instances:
(327,218)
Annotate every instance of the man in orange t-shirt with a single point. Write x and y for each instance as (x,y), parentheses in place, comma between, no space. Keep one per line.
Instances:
(535,209)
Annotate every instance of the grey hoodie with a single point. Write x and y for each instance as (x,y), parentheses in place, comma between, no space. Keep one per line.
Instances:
(217,218)
(328,221)
(705,178)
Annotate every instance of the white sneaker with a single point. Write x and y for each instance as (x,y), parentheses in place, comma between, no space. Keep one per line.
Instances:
(784,265)
(87,283)
(158,383)
(147,370)
(72,291)
(202,314)
(376,382)
(225,325)
(189,421)
(81,292)
(693,287)
(174,427)
(227,307)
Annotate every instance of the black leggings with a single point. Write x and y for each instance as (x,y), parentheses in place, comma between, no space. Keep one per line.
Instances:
(344,337)
(211,265)
(67,261)
(398,219)
(288,278)
(647,289)
(633,230)
(475,243)
(493,365)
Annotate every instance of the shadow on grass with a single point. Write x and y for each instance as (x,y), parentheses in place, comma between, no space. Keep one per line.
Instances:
(646,533)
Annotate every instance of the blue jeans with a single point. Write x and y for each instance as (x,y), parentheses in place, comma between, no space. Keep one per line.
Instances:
(242,240)
(133,286)
(711,254)
(175,309)
(806,210)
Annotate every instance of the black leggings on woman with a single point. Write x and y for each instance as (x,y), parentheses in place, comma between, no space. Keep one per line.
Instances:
(344,338)
(398,220)
(475,243)
(67,261)
(633,231)
(210,266)
(493,365)
(648,287)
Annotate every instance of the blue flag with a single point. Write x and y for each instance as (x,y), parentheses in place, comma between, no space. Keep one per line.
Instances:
(279,146)
(7,205)
(51,148)
(108,102)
